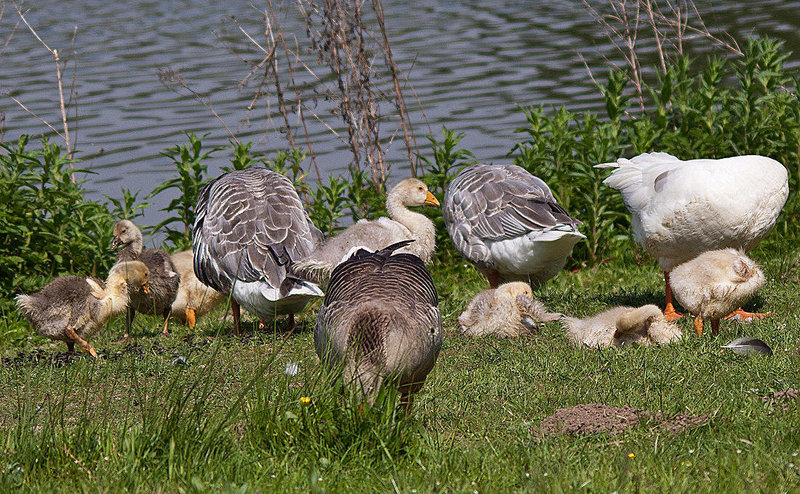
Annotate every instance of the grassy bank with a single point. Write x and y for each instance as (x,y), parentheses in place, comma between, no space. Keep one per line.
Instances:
(231,420)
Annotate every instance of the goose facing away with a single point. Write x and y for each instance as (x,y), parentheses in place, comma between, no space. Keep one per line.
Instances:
(194,299)
(681,209)
(73,308)
(380,321)
(619,326)
(250,226)
(506,311)
(508,223)
(402,224)
(714,283)
(164,279)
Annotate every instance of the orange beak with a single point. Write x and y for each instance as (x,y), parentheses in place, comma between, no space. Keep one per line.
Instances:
(146,287)
(430,200)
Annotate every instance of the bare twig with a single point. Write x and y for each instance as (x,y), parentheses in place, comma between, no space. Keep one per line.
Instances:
(60,65)
(401,105)
(669,21)
(300,116)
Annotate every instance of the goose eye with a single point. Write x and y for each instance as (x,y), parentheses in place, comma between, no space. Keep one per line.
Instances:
(420,187)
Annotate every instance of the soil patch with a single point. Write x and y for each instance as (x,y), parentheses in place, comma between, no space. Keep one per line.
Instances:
(782,399)
(596,418)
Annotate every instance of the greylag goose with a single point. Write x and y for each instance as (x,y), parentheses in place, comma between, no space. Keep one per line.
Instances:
(194,299)
(73,308)
(380,320)
(164,280)
(507,223)
(378,234)
(250,226)
(506,311)
(619,326)
(714,283)
(681,208)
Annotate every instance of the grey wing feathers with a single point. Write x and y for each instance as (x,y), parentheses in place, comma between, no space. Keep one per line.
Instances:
(402,277)
(497,202)
(250,225)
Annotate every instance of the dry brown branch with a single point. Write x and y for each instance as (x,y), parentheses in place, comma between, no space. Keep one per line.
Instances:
(300,116)
(401,105)
(670,25)
(60,65)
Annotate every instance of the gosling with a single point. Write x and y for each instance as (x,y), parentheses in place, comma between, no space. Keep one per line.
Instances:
(715,283)
(505,312)
(621,326)
(73,308)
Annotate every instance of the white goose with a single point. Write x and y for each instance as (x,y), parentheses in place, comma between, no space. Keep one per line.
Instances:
(683,208)
(507,222)
(249,227)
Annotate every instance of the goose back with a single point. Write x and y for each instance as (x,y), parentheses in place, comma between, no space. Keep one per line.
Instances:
(495,214)
(380,318)
(250,226)
(682,208)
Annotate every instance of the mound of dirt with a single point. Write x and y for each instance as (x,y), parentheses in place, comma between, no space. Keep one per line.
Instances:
(596,418)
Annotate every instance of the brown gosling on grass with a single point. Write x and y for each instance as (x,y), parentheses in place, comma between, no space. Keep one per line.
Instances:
(73,308)
(194,299)
(620,326)
(164,280)
(714,283)
(506,311)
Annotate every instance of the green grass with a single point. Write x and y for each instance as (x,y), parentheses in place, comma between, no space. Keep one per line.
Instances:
(232,420)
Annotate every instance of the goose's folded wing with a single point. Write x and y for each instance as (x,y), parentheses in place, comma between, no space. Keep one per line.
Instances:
(249,226)
(382,275)
(506,202)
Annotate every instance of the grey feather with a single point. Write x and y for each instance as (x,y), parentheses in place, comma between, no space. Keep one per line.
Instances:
(748,346)
(498,202)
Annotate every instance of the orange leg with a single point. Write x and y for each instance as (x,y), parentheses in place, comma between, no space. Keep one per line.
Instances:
(191,319)
(698,326)
(669,311)
(85,346)
(741,315)
(165,331)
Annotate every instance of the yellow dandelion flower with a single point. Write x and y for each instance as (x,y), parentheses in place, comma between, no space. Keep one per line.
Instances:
(305,400)
(631,455)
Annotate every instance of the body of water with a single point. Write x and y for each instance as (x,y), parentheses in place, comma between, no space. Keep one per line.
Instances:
(471,64)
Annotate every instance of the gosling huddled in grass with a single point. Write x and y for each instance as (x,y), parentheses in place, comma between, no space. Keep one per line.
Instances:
(506,311)
(73,308)
(715,283)
(620,326)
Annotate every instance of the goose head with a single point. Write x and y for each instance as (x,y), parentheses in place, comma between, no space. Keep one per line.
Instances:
(412,192)
(129,274)
(522,296)
(126,233)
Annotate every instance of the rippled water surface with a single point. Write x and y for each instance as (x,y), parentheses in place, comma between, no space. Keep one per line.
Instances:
(471,63)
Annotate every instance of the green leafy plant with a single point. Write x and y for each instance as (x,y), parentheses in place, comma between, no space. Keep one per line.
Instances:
(127,208)
(189,163)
